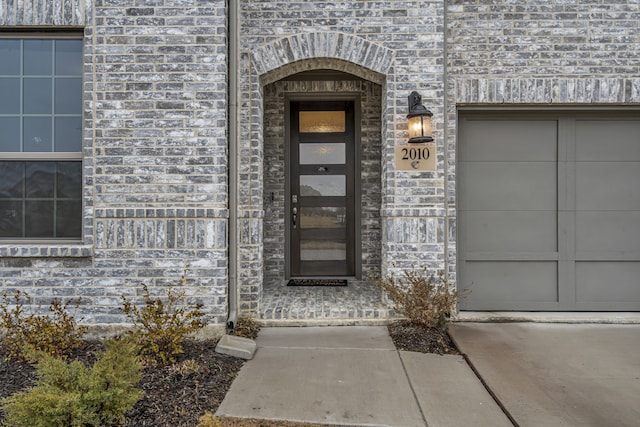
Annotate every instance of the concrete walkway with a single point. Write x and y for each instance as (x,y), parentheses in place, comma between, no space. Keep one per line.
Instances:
(558,374)
(354,376)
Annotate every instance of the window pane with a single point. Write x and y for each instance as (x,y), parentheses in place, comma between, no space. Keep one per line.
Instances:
(328,154)
(69,180)
(69,57)
(38,57)
(9,134)
(332,222)
(37,134)
(10,98)
(68,96)
(11,218)
(323,250)
(37,96)
(11,180)
(68,135)
(323,185)
(35,211)
(39,218)
(325,217)
(40,176)
(68,218)
(322,121)
(10,54)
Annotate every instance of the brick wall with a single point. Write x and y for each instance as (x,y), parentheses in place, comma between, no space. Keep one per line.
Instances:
(398,45)
(160,174)
(543,52)
(155,124)
(544,39)
(155,165)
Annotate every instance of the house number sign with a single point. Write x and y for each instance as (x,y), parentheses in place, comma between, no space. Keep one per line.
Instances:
(416,157)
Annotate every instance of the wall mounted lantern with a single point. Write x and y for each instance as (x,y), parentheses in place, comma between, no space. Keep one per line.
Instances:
(419,120)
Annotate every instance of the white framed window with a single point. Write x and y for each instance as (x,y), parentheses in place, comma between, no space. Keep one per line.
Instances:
(40,138)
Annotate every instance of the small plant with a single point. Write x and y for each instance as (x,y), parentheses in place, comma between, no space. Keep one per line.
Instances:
(56,334)
(424,299)
(209,420)
(162,327)
(246,327)
(187,367)
(72,395)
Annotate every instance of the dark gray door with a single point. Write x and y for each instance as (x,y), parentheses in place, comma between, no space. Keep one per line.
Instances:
(322,189)
(549,211)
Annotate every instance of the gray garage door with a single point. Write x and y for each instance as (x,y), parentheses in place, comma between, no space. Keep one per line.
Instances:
(549,211)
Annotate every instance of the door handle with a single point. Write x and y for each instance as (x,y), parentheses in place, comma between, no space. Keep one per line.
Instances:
(294,216)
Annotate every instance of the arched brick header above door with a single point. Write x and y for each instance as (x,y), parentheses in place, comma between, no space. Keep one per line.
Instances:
(305,46)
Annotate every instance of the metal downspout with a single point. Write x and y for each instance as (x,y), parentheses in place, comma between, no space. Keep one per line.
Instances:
(232,78)
(445,137)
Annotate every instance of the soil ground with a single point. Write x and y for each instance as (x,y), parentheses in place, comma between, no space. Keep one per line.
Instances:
(178,395)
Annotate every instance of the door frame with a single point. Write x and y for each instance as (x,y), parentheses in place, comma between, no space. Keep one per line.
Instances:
(313,97)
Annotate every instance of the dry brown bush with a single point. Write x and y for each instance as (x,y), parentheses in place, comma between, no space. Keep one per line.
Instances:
(423,298)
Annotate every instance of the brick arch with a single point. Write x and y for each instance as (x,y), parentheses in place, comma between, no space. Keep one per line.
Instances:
(346,48)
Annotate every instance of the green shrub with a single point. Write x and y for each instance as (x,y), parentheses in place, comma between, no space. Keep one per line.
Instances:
(56,334)
(72,395)
(162,327)
(424,299)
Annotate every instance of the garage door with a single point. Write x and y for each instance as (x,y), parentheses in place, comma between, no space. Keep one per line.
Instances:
(549,211)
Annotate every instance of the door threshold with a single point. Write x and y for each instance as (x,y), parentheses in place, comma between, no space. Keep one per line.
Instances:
(348,278)
(317,282)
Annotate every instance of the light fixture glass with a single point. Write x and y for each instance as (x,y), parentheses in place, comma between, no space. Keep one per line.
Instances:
(419,120)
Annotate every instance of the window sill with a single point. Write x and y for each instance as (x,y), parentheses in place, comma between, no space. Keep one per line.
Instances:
(59,250)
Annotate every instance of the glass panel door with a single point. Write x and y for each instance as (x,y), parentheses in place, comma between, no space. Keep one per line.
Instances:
(322,189)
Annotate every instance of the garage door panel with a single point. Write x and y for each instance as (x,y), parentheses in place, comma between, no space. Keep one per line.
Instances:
(516,140)
(511,231)
(607,140)
(608,186)
(554,229)
(496,282)
(608,283)
(510,186)
(608,232)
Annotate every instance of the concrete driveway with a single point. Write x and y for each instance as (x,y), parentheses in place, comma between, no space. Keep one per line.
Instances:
(558,374)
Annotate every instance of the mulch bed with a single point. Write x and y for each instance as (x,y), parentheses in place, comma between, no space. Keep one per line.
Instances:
(410,337)
(178,395)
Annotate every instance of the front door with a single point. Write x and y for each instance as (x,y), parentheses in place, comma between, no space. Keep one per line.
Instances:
(322,189)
